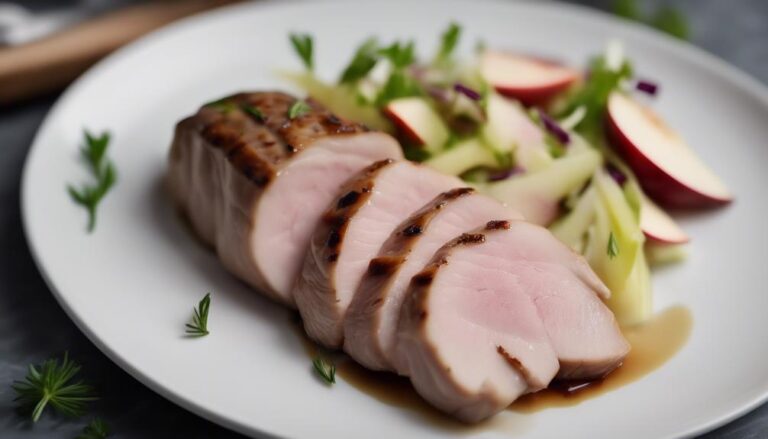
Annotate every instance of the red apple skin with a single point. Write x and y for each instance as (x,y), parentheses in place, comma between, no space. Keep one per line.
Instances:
(664,241)
(660,186)
(403,127)
(530,96)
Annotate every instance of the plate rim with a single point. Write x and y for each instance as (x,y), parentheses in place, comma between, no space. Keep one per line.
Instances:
(687,51)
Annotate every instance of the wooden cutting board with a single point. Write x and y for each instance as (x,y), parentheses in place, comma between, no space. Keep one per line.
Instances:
(51,63)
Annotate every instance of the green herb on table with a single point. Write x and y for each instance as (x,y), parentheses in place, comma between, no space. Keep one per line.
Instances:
(364,60)
(448,42)
(298,109)
(326,370)
(50,383)
(96,429)
(101,169)
(303,44)
(670,20)
(199,325)
(613,246)
(666,19)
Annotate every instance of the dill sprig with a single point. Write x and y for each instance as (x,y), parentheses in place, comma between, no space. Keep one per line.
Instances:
(199,325)
(50,383)
(102,170)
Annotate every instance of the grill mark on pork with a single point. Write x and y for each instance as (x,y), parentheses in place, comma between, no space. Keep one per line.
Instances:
(497,225)
(356,193)
(384,265)
(256,135)
(516,364)
(469,238)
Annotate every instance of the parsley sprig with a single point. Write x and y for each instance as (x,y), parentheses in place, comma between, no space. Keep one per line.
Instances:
(325,369)
(103,172)
(298,109)
(199,325)
(449,40)
(364,60)
(96,429)
(303,45)
(50,383)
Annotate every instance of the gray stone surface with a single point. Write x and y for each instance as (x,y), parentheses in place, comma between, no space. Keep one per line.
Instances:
(33,326)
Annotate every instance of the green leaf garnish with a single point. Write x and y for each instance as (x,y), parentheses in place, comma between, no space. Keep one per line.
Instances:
(302,43)
(255,112)
(613,246)
(627,9)
(399,85)
(594,97)
(299,108)
(326,370)
(199,325)
(50,384)
(401,55)
(449,40)
(103,171)
(670,20)
(96,429)
(224,106)
(365,59)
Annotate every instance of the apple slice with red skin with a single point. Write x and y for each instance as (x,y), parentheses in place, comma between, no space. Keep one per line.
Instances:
(530,80)
(658,226)
(419,122)
(667,169)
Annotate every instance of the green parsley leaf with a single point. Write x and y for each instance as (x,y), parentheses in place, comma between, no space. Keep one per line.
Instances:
(50,384)
(326,370)
(302,43)
(401,55)
(415,153)
(449,40)
(613,246)
(199,325)
(670,20)
(594,97)
(96,429)
(399,85)
(254,112)
(365,59)
(89,195)
(627,9)
(298,109)
(224,106)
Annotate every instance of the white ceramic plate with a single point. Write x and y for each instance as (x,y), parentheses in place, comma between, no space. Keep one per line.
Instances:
(132,284)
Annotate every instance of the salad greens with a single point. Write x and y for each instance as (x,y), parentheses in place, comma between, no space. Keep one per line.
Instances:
(93,153)
(666,18)
(303,45)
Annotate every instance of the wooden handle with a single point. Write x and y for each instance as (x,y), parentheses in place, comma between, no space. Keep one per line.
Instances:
(51,63)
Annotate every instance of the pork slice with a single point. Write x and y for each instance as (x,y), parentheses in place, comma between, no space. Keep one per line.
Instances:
(370,327)
(567,295)
(469,342)
(369,206)
(254,181)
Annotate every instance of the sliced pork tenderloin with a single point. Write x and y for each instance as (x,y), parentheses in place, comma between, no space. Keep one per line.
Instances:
(510,294)
(254,181)
(470,344)
(370,327)
(369,206)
